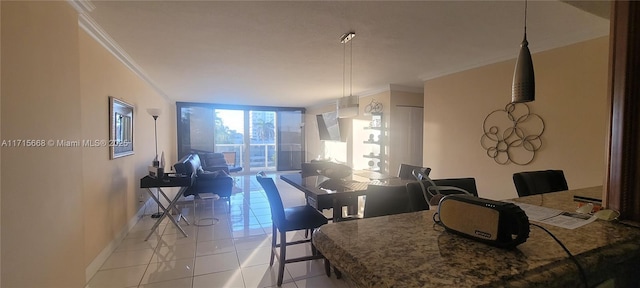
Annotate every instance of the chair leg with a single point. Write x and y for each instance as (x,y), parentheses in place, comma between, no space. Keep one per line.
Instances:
(274,235)
(338,273)
(327,267)
(314,250)
(283,256)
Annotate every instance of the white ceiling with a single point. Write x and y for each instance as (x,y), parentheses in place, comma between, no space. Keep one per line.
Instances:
(289,54)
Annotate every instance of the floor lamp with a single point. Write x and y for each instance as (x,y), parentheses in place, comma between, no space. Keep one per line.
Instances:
(155,112)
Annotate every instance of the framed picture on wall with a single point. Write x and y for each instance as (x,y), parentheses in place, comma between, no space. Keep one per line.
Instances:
(120,128)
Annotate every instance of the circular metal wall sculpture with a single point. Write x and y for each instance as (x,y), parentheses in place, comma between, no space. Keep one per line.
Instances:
(512,135)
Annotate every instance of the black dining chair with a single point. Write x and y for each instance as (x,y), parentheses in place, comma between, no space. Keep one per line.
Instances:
(428,191)
(290,219)
(417,197)
(311,169)
(539,182)
(386,200)
(406,171)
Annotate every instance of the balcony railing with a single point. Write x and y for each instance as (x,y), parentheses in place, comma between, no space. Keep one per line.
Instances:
(261,156)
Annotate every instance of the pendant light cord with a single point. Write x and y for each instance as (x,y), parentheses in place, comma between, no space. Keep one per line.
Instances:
(351,69)
(525,17)
(344,67)
(344,39)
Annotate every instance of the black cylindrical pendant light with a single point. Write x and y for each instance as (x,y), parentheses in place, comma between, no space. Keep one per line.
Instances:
(523,88)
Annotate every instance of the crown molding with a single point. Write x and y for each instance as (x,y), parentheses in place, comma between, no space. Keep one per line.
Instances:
(96,32)
(408,89)
(375,91)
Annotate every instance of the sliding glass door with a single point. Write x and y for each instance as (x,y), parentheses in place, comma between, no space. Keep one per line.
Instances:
(263,138)
(262,145)
(290,140)
(196,126)
(229,134)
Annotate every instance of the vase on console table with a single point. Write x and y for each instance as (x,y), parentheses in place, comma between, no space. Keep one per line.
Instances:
(156,170)
(161,166)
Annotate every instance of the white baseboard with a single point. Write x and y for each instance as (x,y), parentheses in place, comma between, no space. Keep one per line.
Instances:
(95,265)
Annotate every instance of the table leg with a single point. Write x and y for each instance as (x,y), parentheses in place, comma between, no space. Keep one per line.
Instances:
(167,210)
(182,189)
(171,207)
(155,225)
(337,211)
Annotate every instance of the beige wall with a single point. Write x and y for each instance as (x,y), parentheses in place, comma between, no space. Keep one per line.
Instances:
(111,187)
(571,89)
(66,203)
(403,134)
(0,138)
(42,208)
(403,98)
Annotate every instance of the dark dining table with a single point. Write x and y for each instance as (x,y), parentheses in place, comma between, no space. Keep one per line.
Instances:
(326,193)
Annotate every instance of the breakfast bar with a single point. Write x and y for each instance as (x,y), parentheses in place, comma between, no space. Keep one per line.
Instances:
(410,250)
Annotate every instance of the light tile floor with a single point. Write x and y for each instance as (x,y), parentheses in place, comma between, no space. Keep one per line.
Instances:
(234,252)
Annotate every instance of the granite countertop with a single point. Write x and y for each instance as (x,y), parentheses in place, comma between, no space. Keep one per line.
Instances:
(409,250)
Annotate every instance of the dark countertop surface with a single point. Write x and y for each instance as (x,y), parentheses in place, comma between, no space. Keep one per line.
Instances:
(409,250)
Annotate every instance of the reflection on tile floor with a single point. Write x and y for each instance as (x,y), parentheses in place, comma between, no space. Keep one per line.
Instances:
(234,252)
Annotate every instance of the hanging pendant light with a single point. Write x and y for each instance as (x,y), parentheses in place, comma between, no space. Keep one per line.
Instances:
(523,88)
(347,106)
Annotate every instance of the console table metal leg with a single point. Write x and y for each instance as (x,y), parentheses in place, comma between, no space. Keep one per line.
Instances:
(173,202)
(167,211)
(155,226)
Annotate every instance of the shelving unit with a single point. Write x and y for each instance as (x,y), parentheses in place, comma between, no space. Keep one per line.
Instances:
(376,139)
